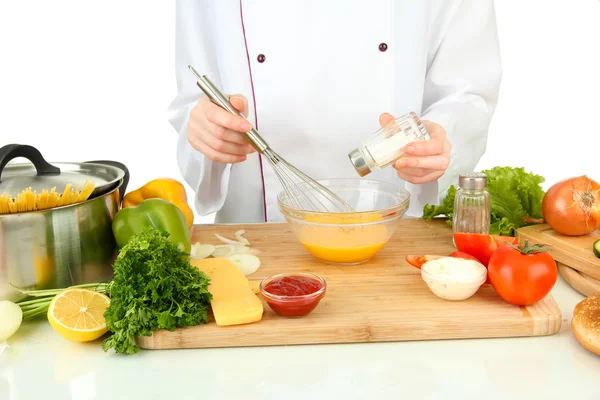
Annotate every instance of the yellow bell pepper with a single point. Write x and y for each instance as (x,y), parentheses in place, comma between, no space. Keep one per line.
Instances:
(164,188)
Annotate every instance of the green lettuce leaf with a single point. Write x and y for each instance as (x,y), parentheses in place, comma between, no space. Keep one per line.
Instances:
(502,227)
(526,186)
(446,208)
(515,200)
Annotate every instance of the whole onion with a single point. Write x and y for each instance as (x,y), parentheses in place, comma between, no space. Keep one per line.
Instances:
(572,206)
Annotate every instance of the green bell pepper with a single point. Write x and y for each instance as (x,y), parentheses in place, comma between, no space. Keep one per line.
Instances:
(152,213)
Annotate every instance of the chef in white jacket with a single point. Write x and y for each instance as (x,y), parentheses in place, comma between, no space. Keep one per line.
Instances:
(316,78)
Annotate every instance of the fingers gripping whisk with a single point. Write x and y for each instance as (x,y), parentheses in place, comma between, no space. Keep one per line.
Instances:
(303,192)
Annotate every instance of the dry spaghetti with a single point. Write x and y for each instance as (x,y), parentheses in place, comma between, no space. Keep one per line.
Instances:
(29,200)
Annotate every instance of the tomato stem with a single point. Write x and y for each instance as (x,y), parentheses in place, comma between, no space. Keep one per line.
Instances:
(533,249)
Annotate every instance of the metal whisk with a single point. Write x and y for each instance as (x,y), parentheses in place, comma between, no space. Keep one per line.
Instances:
(303,192)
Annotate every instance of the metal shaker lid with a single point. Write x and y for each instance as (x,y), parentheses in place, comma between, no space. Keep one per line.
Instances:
(472,181)
(359,163)
(40,175)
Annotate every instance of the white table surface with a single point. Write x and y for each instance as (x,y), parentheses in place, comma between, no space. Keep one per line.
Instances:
(41,365)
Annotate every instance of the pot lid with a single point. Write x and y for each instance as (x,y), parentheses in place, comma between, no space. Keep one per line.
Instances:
(40,175)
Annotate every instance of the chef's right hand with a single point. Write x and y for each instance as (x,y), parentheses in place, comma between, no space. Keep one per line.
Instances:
(217,133)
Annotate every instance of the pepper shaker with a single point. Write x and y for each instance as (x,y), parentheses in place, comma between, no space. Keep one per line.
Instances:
(472,211)
(385,146)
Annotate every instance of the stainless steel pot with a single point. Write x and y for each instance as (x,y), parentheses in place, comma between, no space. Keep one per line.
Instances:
(63,246)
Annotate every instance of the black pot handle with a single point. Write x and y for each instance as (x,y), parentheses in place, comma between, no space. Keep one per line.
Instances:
(123,187)
(11,151)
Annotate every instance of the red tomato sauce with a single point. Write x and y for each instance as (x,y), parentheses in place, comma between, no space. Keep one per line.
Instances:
(293,286)
(297,290)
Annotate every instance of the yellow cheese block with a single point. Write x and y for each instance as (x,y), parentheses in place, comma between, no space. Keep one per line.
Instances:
(234,302)
(255,286)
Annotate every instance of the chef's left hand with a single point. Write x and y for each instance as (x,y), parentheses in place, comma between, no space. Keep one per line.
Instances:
(424,161)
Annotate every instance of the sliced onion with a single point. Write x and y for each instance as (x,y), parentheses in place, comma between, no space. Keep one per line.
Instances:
(229,248)
(247,263)
(243,240)
(239,249)
(202,250)
(223,250)
(227,241)
(238,235)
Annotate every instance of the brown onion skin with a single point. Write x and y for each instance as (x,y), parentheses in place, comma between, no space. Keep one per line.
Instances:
(568,218)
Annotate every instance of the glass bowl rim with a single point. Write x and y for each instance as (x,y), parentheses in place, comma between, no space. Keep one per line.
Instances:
(271,296)
(403,205)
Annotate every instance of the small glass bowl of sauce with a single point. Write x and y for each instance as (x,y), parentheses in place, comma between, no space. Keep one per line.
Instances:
(293,295)
(453,278)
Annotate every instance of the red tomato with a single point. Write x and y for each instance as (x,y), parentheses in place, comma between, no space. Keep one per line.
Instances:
(460,254)
(418,261)
(481,246)
(519,278)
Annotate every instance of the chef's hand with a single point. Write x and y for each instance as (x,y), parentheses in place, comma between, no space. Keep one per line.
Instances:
(217,133)
(424,161)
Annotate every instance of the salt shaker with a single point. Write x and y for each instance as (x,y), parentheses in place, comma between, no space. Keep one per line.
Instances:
(385,146)
(472,205)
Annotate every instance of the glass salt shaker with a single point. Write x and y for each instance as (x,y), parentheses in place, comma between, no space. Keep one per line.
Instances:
(472,205)
(385,146)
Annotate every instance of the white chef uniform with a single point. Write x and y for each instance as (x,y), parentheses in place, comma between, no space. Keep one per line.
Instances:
(318,74)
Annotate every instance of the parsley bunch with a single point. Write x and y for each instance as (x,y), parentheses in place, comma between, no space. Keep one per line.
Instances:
(154,287)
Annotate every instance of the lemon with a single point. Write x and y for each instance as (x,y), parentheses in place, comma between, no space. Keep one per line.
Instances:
(78,314)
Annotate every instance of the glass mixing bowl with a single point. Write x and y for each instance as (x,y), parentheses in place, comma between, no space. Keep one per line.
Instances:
(348,238)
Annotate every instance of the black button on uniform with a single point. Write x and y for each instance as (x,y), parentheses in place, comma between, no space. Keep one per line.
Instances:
(382,47)
(261,58)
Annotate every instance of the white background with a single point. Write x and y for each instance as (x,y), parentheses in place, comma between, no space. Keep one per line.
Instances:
(86,80)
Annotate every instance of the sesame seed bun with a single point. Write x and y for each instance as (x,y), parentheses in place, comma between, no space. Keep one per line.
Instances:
(586,323)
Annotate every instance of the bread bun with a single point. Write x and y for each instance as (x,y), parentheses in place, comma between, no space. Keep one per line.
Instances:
(586,323)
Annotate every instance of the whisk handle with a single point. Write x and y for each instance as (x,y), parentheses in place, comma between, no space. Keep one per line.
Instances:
(218,98)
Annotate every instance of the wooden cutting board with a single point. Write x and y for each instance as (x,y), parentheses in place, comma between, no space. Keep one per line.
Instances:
(573,251)
(579,281)
(383,300)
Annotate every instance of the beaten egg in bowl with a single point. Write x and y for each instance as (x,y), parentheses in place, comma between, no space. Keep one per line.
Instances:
(354,237)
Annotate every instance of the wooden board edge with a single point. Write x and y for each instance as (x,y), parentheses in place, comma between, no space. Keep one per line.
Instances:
(145,344)
(582,264)
(583,284)
(546,315)
(545,319)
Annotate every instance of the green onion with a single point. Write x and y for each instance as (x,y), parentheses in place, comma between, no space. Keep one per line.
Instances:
(42,298)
